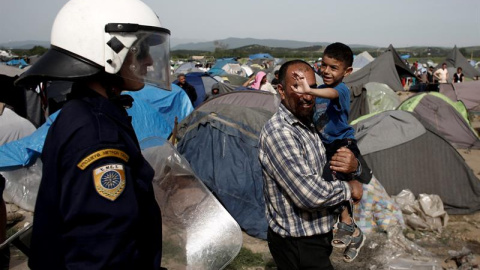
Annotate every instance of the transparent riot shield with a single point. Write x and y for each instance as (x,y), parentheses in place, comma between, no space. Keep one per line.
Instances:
(198,233)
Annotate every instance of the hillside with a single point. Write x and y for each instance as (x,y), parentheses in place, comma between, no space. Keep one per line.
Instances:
(234,43)
(242,47)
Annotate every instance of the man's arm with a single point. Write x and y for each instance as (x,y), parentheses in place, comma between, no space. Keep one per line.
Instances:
(344,161)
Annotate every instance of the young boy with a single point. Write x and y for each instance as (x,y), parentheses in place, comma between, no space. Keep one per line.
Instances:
(331,117)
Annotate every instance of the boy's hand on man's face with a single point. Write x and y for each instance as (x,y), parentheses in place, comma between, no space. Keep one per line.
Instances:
(301,85)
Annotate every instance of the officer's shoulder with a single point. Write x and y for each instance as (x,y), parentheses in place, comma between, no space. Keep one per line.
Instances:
(76,112)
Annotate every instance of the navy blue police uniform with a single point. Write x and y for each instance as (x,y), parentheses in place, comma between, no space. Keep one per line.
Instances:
(95,207)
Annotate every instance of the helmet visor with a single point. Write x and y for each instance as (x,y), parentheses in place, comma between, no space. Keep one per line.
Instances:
(147,61)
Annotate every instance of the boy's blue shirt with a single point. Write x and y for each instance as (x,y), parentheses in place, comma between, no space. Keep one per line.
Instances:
(331,116)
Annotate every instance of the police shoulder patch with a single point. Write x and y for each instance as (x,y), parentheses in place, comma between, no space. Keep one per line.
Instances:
(109,181)
(102,154)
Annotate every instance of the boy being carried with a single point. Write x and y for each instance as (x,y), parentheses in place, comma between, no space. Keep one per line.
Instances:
(331,119)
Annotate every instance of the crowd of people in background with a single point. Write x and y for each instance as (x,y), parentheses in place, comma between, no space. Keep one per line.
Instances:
(428,79)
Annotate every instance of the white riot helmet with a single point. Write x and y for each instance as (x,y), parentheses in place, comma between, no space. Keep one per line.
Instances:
(94,36)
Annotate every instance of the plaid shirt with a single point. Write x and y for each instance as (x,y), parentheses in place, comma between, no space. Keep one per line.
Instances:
(299,202)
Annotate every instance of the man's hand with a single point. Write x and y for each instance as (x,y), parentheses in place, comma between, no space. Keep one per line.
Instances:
(344,161)
(356,189)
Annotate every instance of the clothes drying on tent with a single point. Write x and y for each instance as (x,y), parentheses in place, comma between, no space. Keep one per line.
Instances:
(405,153)
(449,118)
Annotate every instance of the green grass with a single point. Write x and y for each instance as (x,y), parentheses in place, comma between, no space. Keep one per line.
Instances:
(246,258)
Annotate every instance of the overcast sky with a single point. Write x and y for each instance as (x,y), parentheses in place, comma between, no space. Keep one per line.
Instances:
(370,22)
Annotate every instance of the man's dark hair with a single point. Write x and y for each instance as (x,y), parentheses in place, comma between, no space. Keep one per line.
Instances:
(275,73)
(339,52)
(181,75)
(282,73)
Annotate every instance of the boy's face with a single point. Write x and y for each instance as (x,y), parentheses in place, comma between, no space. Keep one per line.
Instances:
(333,71)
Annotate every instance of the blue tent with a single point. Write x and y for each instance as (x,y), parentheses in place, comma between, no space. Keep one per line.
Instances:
(405,56)
(154,110)
(203,85)
(217,72)
(217,69)
(17,62)
(153,114)
(220,141)
(260,56)
(222,62)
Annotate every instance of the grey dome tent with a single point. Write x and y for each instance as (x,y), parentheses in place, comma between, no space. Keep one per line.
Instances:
(361,60)
(380,97)
(219,139)
(405,153)
(388,69)
(448,117)
(467,92)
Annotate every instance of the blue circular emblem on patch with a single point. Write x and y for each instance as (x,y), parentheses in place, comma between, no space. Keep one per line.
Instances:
(110,179)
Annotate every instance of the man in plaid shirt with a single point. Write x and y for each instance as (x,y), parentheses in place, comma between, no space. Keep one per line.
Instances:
(301,206)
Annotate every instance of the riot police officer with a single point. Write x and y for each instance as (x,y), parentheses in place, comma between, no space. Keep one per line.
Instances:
(96,207)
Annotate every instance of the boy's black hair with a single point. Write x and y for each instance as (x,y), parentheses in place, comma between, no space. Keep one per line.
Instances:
(339,52)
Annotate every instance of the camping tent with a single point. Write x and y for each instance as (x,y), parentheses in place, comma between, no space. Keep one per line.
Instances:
(154,110)
(12,71)
(380,97)
(203,85)
(234,79)
(388,69)
(361,60)
(187,68)
(227,66)
(260,56)
(448,117)
(454,60)
(467,92)
(405,153)
(17,62)
(219,140)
